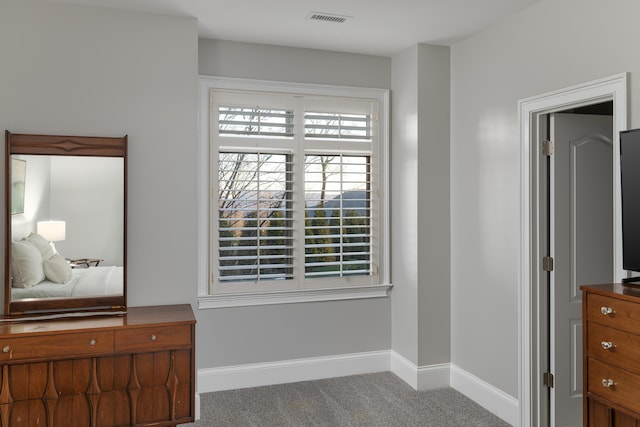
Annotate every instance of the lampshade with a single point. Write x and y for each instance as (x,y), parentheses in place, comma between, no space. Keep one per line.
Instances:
(53,231)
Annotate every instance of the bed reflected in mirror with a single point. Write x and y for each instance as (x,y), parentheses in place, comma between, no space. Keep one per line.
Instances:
(66,249)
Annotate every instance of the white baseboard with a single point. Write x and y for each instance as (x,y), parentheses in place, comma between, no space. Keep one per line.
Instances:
(420,377)
(484,394)
(197,403)
(288,371)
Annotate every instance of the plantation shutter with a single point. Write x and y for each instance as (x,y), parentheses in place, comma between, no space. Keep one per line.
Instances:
(337,125)
(255,223)
(295,185)
(242,121)
(337,215)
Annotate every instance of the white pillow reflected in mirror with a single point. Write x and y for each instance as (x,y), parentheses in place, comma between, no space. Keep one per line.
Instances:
(26,265)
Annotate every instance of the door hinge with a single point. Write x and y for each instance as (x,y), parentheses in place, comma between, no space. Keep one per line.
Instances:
(547,379)
(547,148)
(547,263)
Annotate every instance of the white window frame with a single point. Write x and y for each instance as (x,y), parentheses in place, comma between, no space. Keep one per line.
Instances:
(207,300)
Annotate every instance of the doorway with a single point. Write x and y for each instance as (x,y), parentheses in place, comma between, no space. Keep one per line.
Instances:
(538,116)
(576,231)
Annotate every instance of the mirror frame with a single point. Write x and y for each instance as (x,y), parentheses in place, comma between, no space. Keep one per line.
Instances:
(61,145)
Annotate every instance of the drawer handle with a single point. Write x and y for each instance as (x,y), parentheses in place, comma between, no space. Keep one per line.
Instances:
(6,349)
(606,310)
(92,343)
(607,383)
(607,345)
(153,337)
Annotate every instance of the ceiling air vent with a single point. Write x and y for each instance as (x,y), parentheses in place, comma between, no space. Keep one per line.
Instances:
(327,17)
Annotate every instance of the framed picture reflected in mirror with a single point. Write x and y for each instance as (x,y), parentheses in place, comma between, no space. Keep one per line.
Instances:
(18,175)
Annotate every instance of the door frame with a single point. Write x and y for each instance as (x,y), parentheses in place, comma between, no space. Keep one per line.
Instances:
(530,110)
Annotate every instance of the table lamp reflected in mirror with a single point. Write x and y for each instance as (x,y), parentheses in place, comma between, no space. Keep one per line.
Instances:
(53,231)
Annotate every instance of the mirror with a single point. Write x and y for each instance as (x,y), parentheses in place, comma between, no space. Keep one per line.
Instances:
(65,242)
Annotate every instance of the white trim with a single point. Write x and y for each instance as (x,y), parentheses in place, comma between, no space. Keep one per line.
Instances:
(288,297)
(610,88)
(420,377)
(492,399)
(404,369)
(313,368)
(288,371)
(202,187)
(197,405)
(233,83)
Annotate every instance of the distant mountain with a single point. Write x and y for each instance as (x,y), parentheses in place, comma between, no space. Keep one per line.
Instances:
(351,200)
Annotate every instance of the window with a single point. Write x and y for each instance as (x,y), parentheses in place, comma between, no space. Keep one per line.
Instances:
(297,205)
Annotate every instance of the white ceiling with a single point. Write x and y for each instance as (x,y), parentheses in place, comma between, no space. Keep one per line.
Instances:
(378,27)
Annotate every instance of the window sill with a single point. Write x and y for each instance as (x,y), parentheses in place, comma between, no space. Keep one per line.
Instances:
(290,297)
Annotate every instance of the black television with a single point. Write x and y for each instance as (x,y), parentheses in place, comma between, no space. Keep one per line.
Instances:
(630,194)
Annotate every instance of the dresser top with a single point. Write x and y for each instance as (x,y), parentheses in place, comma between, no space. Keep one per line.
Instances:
(131,318)
(626,291)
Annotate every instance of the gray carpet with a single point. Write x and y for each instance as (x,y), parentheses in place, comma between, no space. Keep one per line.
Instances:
(371,400)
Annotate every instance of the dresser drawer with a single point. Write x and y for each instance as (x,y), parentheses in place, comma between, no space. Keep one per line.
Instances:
(56,346)
(624,389)
(614,346)
(154,338)
(613,312)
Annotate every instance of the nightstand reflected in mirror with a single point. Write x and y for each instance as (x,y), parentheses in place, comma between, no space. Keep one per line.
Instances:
(84,262)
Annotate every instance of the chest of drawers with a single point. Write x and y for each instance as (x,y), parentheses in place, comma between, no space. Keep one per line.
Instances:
(611,355)
(135,369)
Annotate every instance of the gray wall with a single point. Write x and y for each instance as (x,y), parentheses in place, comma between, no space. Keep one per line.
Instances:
(235,336)
(434,248)
(420,205)
(88,193)
(263,62)
(552,45)
(404,203)
(87,71)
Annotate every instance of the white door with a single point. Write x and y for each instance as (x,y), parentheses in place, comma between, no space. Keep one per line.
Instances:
(581,236)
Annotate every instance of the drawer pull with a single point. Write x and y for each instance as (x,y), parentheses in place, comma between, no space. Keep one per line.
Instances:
(6,349)
(607,383)
(607,345)
(153,337)
(606,310)
(92,343)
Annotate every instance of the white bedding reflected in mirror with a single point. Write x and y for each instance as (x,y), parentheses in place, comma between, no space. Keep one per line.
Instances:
(87,193)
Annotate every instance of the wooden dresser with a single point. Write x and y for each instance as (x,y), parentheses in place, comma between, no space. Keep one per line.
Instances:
(134,369)
(611,355)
